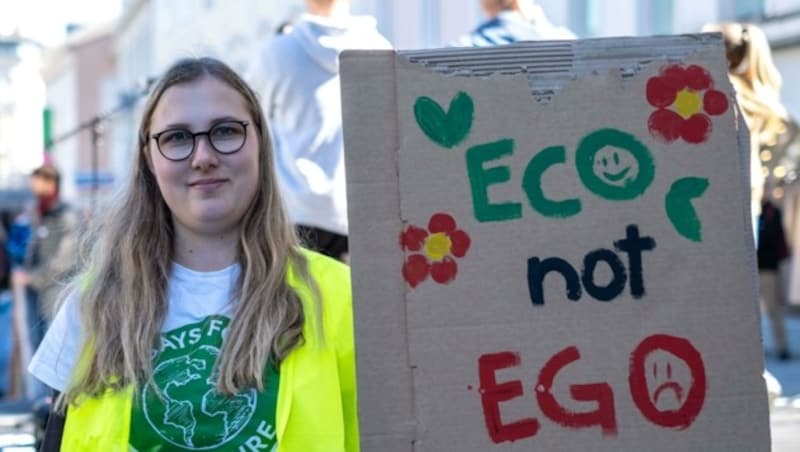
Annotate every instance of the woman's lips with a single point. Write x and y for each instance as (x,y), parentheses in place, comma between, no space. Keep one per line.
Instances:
(207,184)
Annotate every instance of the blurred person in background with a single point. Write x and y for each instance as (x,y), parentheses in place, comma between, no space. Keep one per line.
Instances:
(512,21)
(284,27)
(51,251)
(297,77)
(772,249)
(758,85)
(18,236)
(51,254)
(16,247)
(6,337)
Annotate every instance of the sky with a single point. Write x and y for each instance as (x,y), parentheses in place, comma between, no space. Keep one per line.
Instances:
(45,20)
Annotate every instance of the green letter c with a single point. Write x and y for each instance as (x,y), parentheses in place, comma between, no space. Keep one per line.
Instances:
(532,184)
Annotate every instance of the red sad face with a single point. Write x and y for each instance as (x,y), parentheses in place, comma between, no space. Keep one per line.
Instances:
(668,380)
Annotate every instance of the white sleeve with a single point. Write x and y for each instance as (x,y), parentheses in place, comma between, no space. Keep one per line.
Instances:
(54,360)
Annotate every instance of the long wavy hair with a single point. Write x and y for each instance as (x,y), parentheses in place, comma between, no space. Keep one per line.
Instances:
(126,269)
(756,79)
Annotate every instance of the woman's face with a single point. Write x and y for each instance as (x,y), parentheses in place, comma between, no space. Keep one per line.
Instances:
(208,192)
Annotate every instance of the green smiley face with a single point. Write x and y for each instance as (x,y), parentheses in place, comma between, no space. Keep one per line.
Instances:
(614,165)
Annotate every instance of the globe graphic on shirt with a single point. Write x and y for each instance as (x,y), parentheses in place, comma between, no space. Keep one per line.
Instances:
(186,410)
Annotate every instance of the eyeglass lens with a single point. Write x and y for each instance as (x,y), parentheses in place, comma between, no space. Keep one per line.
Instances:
(225,137)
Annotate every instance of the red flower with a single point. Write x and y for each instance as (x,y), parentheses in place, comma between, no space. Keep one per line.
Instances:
(684,97)
(438,245)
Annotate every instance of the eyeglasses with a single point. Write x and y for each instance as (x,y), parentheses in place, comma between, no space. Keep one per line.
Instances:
(178,144)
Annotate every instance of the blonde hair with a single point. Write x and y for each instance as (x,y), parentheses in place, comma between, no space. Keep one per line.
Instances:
(123,284)
(756,80)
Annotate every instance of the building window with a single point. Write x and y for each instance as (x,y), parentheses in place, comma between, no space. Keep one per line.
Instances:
(655,17)
(741,9)
(748,9)
(431,19)
(586,17)
(383,13)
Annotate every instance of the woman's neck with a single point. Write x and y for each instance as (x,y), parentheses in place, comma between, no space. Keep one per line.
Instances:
(205,252)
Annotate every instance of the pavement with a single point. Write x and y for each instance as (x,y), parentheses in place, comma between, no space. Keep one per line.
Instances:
(16,426)
(785,410)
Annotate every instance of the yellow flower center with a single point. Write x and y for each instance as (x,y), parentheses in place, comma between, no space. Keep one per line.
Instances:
(437,246)
(687,103)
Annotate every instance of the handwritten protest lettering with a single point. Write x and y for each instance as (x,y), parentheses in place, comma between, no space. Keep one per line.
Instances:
(612,164)
(492,393)
(601,393)
(671,399)
(633,245)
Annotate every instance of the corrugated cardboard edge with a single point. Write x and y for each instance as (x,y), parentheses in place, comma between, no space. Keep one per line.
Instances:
(550,65)
(367,81)
(743,140)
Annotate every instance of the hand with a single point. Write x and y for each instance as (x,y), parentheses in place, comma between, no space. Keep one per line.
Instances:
(20,278)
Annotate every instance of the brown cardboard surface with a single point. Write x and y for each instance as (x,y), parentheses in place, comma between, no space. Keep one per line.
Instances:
(427,335)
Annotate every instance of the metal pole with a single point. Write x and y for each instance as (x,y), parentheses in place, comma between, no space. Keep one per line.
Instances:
(95,165)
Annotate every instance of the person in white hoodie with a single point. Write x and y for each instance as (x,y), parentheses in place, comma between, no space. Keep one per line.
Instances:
(297,76)
(512,21)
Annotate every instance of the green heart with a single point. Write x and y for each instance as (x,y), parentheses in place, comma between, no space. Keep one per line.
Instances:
(446,129)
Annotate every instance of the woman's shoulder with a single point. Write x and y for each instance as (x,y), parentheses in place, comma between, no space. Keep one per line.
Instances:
(332,278)
(325,269)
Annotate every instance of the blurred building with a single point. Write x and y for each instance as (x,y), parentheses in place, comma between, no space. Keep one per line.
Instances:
(22,94)
(414,24)
(151,34)
(81,86)
(432,23)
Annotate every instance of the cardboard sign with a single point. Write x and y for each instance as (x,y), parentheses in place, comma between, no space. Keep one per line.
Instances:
(551,249)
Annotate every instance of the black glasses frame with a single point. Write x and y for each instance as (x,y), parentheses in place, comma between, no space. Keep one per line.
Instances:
(194,135)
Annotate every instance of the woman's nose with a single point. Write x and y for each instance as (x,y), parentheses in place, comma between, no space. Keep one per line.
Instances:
(204,154)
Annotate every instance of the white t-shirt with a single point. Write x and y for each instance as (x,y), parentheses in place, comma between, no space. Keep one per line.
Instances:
(193,296)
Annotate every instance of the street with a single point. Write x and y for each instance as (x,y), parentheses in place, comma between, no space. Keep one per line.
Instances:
(16,428)
(785,412)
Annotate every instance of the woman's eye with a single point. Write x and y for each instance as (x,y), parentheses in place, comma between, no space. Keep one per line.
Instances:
(224,130)
(175,136)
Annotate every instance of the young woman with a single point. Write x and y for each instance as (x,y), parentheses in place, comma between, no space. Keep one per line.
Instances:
(198,322)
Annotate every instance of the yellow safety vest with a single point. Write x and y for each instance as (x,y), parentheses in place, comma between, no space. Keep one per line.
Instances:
(316,408)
